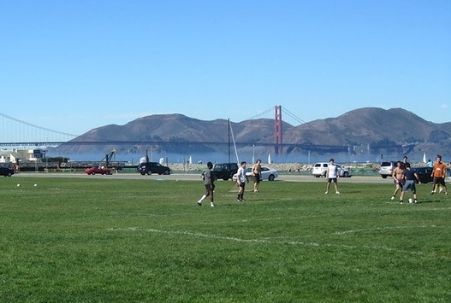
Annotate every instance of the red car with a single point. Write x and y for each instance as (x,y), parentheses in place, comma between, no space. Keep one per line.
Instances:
(98,170)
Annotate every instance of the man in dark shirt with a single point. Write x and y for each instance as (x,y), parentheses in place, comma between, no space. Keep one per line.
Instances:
(208,179)
(411,178)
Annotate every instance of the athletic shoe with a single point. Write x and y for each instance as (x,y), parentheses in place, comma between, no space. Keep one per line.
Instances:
(199,203)
(337,192)
(392,198)
(212,204)
(400,201)
(326,193)
(415,201)
(432,192)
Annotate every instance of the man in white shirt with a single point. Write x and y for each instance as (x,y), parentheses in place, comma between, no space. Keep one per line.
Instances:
(332,176)
(241,181)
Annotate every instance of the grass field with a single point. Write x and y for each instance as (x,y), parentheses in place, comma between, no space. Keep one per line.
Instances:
(109,240)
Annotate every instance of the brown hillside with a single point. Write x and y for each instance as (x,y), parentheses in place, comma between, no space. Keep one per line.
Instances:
(374,126)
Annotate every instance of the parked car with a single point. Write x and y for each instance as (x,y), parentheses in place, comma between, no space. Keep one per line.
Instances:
(424,174)
(320,170)
(268,174)
(101,170)
(225,171)
(6,171)
(148,168)
(386,168)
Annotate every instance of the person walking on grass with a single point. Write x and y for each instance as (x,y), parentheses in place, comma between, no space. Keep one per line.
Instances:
(209,181)
(257,173)
(411,178)
(332,176)
(439,174)
(398,178)
(241,181)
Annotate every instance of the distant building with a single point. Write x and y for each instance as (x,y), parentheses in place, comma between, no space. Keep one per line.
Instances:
(15,156)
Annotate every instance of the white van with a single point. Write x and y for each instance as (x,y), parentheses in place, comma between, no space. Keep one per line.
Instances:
(386,169)
(320,170)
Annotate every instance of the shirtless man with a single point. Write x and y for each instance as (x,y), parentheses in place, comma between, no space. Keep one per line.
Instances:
(398,178)
(257,173)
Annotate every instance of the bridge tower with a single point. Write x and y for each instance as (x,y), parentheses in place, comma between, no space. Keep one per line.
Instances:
(278,129)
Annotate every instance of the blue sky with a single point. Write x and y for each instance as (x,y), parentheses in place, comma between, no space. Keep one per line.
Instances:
(76,65)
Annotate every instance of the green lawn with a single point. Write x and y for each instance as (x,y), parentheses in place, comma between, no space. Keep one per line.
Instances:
(109,240)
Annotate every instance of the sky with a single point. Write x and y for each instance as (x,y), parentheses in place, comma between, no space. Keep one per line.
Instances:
(76,65)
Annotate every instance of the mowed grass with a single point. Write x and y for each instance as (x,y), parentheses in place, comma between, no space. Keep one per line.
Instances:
(108,240)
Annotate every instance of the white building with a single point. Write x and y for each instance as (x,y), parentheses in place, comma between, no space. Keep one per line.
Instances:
(14,156)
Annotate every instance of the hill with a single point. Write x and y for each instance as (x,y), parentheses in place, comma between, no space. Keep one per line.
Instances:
(371,126)
(365,128)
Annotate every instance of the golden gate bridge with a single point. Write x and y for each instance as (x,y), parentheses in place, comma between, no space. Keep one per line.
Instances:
(19,133)
(15,132)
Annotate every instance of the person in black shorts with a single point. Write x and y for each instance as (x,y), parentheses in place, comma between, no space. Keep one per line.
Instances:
(257,174)
(410,178)
(241,180)
(209,182)
(439,174)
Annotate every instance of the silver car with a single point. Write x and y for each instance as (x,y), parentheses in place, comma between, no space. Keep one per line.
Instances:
(267,174)
(386,168)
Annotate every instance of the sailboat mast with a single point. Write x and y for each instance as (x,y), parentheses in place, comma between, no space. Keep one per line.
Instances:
(228,133)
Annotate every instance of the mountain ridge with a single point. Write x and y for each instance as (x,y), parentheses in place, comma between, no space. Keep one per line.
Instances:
(370,126)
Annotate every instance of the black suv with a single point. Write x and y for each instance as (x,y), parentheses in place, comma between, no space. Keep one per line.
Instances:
(6,171)
(424,174)
(153,168)
(225,171)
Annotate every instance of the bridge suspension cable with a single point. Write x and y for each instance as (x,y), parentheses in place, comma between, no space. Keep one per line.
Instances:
(262,114)
(37,126)
(13,130)
(293,116)
(285,111)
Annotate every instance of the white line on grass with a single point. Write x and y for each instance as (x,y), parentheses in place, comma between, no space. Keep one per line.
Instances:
(250,220)
(266,241)
(188,233)
(430,209)
(382,229)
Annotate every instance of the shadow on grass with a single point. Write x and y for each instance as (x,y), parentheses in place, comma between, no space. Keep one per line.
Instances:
(431,200)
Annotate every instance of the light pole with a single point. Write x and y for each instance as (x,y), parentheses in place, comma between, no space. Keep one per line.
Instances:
(253,153)
(46,161)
